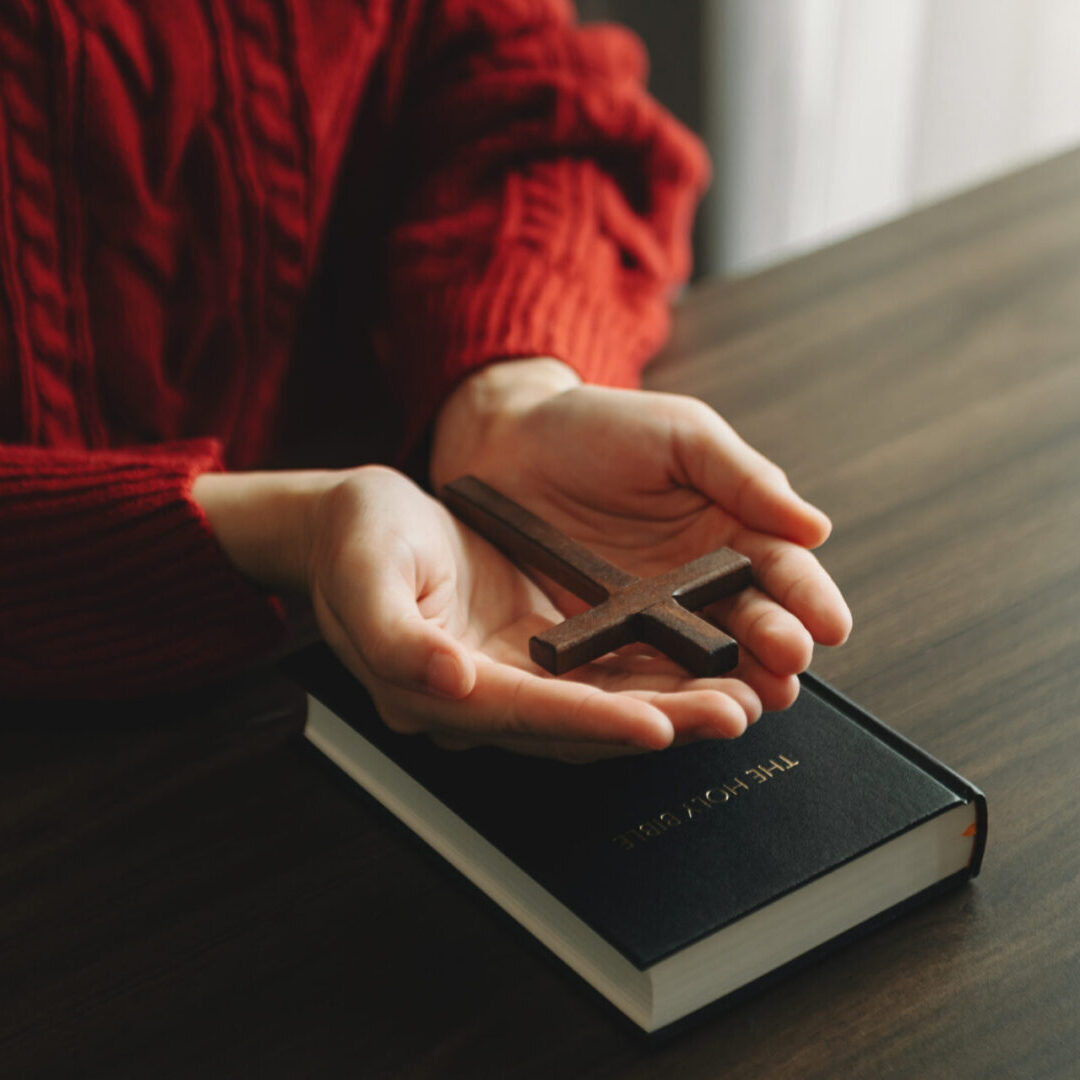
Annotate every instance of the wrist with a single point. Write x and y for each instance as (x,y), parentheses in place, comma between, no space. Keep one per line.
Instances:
(487,404)
(265,521)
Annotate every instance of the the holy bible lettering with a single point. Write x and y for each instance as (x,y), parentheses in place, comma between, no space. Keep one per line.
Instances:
(693,808)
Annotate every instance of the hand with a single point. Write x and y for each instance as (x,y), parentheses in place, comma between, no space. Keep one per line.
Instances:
(435,622)
(649,481)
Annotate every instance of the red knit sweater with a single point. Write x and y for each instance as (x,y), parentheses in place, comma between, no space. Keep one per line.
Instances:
(482,178)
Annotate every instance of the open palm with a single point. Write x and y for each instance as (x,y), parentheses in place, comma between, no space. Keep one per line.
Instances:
(397,582)
(650,481)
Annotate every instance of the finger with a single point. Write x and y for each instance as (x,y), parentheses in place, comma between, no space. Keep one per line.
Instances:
(694,714)
(771,632)
(716,707)
(708,713)
(377,615)
(794,578)
(769,692)
(508,701)
(574,753)
(776,692)
(721,465)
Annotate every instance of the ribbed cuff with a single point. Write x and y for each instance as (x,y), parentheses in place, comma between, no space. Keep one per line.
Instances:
(524,308)
(112,581)
(557,264)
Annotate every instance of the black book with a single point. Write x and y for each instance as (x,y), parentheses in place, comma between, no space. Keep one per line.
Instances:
(673,879)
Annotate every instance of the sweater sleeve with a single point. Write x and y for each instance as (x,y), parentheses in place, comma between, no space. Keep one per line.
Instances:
(111,579)
(551,205)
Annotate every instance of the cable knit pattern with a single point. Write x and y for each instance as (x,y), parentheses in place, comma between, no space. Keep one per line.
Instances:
(258,70)
(170,173)
(570,250)
(36,290)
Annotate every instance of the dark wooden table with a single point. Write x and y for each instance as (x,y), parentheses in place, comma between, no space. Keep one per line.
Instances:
(184,891)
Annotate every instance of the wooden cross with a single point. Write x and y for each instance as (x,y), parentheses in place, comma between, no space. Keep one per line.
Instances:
(627,609)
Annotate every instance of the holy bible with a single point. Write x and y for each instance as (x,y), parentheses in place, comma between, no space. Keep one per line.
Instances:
(673,879)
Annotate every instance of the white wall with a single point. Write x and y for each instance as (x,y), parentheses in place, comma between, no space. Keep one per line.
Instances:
(828,116)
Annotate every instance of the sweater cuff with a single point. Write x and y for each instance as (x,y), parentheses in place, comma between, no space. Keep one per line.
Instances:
(524,308)
(113,582)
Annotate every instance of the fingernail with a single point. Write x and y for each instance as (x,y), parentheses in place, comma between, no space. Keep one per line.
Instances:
(444,675)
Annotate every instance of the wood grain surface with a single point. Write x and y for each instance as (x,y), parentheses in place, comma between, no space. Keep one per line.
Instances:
(186,890)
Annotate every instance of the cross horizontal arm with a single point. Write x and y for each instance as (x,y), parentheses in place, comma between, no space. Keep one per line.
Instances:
(706,579)
(586,636)
(533,542)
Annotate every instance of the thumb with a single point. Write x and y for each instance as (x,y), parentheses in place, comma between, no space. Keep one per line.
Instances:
(386,632)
